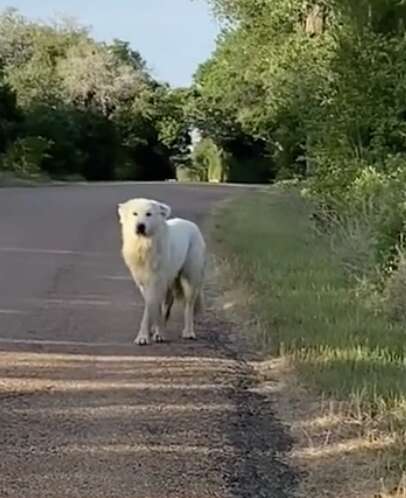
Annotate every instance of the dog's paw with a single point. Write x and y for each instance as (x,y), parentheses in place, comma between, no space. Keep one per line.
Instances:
(158,337)
(188,335)
(141,340)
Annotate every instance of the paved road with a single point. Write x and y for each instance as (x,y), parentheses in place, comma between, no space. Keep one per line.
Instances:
(83,413)
(61,274)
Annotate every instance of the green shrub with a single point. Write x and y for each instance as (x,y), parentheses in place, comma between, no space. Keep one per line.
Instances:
(26,156)
(368,214)
(395,290)
(209,161)
(187,174)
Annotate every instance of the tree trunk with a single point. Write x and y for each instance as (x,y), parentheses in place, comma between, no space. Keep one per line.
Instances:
(314,24)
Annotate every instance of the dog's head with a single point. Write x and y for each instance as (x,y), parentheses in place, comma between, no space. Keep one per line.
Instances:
(143,216)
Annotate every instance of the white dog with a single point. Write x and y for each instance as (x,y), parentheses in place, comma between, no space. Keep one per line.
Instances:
(166,259)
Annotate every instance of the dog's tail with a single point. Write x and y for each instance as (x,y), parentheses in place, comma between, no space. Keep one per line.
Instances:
(176,293)
(199,303)
(167,307)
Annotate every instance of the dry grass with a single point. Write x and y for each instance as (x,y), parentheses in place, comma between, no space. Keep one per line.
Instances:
(340,454)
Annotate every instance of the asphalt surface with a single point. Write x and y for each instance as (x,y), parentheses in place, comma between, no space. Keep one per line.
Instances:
(83,412)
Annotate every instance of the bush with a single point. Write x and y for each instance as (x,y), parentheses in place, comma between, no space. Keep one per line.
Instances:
(186,173)
(209,161)
(62,126)
(395,291)
(26,156)
(368,214)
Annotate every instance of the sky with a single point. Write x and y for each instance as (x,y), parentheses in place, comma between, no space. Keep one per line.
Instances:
(173,36)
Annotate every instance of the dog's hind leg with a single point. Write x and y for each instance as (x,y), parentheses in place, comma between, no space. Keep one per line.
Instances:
(191,280)
(189,295)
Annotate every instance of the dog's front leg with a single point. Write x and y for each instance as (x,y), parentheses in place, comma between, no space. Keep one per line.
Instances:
(142,338)
(157,316)
(152,318)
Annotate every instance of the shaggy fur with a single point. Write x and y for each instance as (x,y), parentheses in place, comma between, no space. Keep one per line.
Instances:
(166,259)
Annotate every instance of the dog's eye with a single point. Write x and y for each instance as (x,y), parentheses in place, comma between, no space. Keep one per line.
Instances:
(149,214)
(135,214)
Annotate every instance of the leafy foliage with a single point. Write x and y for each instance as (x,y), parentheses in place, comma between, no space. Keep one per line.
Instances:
(209,161)
(319,88)
(25,156)
(96,106)
(9,115)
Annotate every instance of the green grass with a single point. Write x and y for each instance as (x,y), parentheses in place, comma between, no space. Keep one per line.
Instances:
(9,179)
(305,304)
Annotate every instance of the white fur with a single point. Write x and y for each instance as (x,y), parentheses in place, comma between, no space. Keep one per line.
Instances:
(170,254)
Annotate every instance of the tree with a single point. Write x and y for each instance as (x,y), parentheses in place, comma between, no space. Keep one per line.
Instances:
(92,77)
(10,116)
(94,104)
(321,84)
(122,51)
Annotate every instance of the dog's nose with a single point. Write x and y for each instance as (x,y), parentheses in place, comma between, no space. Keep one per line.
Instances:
(141,229)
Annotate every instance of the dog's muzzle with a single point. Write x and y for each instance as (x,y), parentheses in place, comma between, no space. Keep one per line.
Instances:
(141,229)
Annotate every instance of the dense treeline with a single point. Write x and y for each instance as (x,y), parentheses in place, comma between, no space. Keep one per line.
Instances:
(312,89)
(319,86)
(70,106)
(316,89)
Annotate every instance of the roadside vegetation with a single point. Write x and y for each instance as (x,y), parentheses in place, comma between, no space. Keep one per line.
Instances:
(302,304)
(315,91)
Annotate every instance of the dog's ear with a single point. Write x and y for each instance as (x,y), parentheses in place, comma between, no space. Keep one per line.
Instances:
(120,212)
(165,210)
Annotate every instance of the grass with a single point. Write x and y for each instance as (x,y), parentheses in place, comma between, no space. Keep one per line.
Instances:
(9,179)
(307,310)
